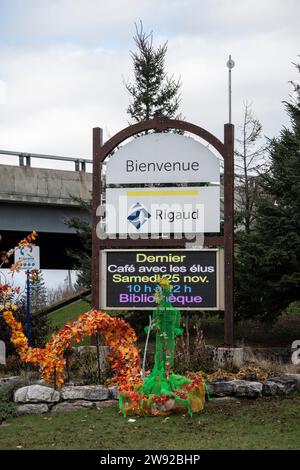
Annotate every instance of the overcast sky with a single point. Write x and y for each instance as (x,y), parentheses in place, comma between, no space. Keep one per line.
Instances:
(63,63)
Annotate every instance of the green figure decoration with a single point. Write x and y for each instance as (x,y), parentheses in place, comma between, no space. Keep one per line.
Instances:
(162,391)
(166,324)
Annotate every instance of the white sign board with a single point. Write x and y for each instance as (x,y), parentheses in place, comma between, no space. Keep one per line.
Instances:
(163,158)
(162,210)
(28,257)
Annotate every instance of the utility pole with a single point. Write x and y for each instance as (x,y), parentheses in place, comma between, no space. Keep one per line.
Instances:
(229,219)
(230,64)
(28,316)
(70,281)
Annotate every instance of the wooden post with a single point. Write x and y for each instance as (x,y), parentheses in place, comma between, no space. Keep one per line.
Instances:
(98,359)
(96,201)
(228,232)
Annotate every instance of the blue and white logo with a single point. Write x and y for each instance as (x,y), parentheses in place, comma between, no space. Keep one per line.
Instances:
(138,215)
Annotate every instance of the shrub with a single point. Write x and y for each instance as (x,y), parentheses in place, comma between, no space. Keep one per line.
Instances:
(7,389)
(294,308)
(7,409)
(191,354)
(40,328)
(82,367)
(13,365)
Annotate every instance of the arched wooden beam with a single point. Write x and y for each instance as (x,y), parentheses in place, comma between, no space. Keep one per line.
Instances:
(159,124)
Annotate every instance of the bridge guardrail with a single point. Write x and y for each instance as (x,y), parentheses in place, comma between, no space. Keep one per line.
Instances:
(25,158)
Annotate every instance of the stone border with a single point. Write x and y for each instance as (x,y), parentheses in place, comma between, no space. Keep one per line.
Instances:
(11,378)
(283,385)
(36,399)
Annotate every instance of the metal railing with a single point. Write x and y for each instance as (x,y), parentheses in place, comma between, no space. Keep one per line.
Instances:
(25,159)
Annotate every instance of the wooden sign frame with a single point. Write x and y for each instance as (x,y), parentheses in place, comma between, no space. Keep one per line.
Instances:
(225,149)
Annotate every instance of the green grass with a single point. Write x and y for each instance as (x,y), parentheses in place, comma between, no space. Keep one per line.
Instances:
(249,332)
(66,314)
(259,424)
(69,313)
(294,309)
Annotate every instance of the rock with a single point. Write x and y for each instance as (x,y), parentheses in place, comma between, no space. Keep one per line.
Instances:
(85,392)
(82,404)
(239,388)
(12,378)
(246,388)
(229,357)
(296,378)
(289,383)
(32,408)
(220,389)
(72,406)
(36,394)
(224,400)
(271,388)
(211,351)
(105,404)
(84,349)
(113,393)
(2,351)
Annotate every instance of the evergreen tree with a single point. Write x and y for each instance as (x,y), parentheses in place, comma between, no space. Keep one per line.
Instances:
(82,258)
(268,260)
(153,93)
(38,291)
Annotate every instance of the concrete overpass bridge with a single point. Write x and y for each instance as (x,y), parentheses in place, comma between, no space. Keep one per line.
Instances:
(43,199)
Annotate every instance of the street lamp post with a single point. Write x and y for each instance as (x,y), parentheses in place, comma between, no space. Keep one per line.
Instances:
(230,64)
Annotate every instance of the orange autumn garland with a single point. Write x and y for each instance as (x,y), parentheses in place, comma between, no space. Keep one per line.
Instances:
(119,337)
